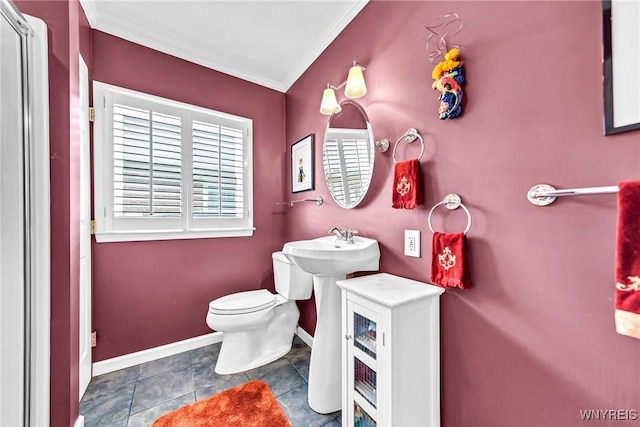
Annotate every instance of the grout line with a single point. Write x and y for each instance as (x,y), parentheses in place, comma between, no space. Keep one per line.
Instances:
(132,397)
(193,379)
(173,371)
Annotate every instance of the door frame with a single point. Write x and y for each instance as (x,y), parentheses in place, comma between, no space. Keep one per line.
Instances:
(40,222)
(84,332)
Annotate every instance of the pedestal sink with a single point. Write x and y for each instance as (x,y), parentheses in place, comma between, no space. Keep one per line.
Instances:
(329,260)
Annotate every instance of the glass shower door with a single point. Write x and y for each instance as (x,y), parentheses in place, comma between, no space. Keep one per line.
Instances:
(13,291)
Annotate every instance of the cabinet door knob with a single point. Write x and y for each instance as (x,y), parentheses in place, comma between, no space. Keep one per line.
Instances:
(347,336)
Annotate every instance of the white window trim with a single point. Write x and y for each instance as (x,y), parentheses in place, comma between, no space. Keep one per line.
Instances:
(103,167)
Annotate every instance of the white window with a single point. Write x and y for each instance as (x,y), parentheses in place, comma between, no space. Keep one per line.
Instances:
(169,170)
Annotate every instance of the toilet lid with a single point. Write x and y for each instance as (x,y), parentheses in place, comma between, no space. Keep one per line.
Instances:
(242,302)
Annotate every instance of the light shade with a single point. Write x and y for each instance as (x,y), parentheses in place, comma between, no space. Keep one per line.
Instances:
(355,83)
(329,104)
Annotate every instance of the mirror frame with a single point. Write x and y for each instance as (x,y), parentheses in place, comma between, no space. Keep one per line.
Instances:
(371,142)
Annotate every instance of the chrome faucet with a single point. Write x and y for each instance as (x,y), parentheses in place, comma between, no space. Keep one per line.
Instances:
(346,234)
(340,235)
(349,235)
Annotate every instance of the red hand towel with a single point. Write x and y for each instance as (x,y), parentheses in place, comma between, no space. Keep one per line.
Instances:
(627,292)
(407,185)
(447,261)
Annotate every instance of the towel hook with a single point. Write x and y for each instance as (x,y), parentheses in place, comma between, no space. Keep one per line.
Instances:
(451,201)
(382,145)
(409,136)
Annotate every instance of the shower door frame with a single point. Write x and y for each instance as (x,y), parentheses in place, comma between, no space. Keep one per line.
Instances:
(35,338)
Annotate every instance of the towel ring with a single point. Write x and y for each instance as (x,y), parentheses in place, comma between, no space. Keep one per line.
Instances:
(451,201)
(409,136)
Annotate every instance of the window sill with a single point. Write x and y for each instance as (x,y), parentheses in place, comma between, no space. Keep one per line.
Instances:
(147,235)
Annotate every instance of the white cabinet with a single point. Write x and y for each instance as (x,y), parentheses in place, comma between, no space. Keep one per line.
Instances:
(390,352)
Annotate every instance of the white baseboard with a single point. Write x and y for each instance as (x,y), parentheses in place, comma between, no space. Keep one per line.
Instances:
(304,336)
(133,359)
(79,422)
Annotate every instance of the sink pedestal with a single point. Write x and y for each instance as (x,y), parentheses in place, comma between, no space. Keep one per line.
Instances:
(325,376)
(330,260)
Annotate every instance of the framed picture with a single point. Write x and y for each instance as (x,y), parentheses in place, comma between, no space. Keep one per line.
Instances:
(621,61)
(302,165)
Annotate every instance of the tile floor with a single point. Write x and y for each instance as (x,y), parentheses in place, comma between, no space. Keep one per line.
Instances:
(138,395)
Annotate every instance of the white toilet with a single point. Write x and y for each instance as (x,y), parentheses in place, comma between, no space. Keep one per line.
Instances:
(258,326)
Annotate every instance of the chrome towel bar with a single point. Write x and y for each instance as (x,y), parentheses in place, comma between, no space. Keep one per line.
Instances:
(545,194)
(319,201)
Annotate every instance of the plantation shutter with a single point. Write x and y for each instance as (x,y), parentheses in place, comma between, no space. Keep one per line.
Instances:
(168,170)
(217,181)
(333,166)
(356,157)
(347,162)
(146,163)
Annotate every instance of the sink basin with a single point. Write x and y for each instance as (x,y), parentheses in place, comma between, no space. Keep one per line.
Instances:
(327,256)
(329,260)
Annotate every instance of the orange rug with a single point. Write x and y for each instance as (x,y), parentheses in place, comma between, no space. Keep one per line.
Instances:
(247,405)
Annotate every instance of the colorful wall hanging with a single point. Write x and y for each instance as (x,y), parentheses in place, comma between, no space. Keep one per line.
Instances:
(447,74)
(449,77)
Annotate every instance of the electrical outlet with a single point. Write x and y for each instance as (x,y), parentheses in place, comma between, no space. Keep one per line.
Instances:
(412,243)
(94,339)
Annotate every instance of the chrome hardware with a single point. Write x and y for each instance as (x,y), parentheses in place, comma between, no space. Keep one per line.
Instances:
(319,200)
(382,145)
(347,337)
(409,136)
(345,235)
(451,201)
(545,194)
(340,234)
(349,235)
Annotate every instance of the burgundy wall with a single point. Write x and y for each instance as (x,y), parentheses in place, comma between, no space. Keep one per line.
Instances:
(531,344)
(69,34)
(534,341)
(148,294)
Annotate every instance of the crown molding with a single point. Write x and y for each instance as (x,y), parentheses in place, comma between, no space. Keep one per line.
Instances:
(91,12)
(235,70)
(332,32)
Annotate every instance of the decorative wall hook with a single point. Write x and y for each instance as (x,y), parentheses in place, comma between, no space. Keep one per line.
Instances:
(382,145)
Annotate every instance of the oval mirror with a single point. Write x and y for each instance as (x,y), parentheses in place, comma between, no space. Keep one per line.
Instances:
(347,154)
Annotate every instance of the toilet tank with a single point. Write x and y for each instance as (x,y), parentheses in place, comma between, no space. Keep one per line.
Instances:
(291,282)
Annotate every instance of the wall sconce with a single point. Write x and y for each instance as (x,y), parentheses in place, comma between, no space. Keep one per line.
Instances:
(354,87)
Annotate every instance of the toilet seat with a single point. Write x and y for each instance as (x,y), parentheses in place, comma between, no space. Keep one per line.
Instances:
(243,302)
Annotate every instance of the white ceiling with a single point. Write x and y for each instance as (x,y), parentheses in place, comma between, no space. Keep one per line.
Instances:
(268,42)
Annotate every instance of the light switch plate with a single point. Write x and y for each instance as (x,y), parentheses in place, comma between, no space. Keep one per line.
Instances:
(412,243)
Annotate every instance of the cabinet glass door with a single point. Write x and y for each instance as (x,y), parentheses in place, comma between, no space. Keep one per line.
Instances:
(361,418)
(364,334)
(362,325)
(364,381)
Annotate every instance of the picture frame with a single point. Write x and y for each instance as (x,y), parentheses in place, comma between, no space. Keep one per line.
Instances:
(302,165)
(621,59)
